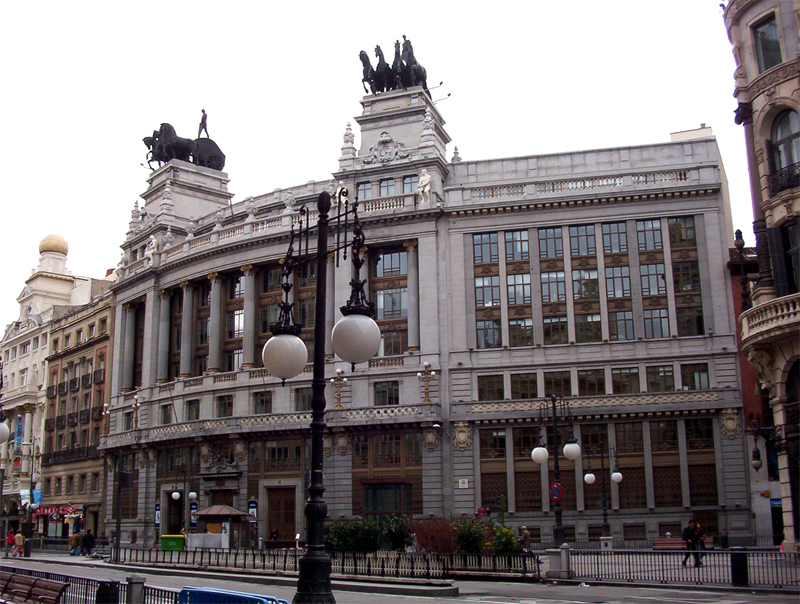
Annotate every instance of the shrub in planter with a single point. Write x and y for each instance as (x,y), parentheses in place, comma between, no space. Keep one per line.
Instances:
(503,540)
(352,536)
(397,532)
(469,536)
(434,535)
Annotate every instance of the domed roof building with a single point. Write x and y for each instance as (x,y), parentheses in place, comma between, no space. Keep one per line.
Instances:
(54,243)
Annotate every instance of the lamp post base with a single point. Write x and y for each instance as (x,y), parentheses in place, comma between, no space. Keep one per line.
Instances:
(314,580)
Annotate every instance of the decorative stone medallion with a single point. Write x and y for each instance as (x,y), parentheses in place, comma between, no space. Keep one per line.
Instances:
(731,423)
(386,150)
(462,436)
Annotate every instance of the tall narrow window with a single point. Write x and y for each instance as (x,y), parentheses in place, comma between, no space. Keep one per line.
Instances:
(487,291)
(682,232)
(653,281)
(785,153)
(519,289)
(767,43)
(551,245)
(581,240)
(618,282)
(490,388)
(553,287)
(484,248)
(615,238)
(516,245)
(648,233)
(387,393)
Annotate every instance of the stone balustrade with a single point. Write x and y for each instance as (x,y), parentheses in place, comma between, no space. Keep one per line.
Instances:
(765,321)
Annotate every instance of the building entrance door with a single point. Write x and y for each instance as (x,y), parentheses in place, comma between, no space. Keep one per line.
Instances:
(280,512)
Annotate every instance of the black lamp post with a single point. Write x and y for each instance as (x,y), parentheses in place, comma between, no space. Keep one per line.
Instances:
(549,415)
(616,476)
(355,339)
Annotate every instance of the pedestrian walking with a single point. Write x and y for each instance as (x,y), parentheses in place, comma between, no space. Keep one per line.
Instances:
(689,537)
(701,543)
(88,542)
(74,544)
(19,544)
(9,542)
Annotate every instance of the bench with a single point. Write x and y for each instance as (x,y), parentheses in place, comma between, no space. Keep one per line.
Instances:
(209,595)
(677,543)
(23,588)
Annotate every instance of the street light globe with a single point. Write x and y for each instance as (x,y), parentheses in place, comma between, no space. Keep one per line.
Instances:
(756,464)
(192,495)
(616,477)
(539,455)
(356,338)
(5,432)
(34,506)
(589,478)
(284,356)
(176,496)
(572,451)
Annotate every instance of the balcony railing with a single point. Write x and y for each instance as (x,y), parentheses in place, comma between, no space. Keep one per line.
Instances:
(63,388)
(770,319)
(74,384)
(86,381)
(75,454)
(97,413)
(99,376)
(61,421)
(85,416)
(49,424)
(72,419)
(787,178)
(52,391)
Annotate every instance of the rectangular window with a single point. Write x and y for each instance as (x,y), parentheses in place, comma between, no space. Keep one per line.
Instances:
(23,377)
(83,483)
(234,359)
(262,403)
(694,376)
(307,311)
(554,287)
(620,326)
(555,330)
(484,248)
(271,279)
(615,238)
(25,347)
(91,330)
(520,332)
(551,245)
(682,232)
(519,289)
(70,485)
(558,383)
(410,183)
(653,281)
(625,380)
(591,382)
(390,264)
(236,287)
(490,388)
(690,321)
(648,233)
(582,241)
(364,190)
(393,303)
(234,321)
(127,420)
(585,284)
(618,282)
(686,276)
(95,482)
(493,444)
(387,393)
(225,405)
(767,43)
(629,437)
(664,435)
(393,343)
(191,410)
(204,294)
(523,386)
(269,316)
(516,246)
(656,324)
(488,334)
(166,415)
(387,187)
(202,331)
(588,328)
(660,378)
(487,291)
(102,326)
(302,399)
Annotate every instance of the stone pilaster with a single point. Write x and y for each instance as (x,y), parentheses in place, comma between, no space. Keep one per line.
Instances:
(187,327)
(413,294)
(162,372)
(215,325)
(250,316)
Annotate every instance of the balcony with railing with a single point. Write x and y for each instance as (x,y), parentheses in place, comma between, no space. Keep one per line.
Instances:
(49,424)
(771,321)
(74,384)
(99,376)
(786,178)
(61,421)
(67,455)
(86,381)
(72,419)
(52,391)
(85,416)
(63,388)
(97,413)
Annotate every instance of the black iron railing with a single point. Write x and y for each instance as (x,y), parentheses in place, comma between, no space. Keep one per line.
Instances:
(787,178)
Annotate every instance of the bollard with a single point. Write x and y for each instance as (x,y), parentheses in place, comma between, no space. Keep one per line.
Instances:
(135,589)
(739,573)
(107,592)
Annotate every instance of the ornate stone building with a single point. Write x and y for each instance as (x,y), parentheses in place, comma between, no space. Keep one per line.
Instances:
(765,42)
(598,276)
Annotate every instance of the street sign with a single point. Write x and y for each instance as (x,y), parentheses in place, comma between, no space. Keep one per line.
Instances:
(481,511)
(555,491)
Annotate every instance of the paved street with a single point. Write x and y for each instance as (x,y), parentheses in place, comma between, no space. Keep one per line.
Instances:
(477,592)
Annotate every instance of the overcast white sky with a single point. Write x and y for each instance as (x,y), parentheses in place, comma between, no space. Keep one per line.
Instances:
(85,81)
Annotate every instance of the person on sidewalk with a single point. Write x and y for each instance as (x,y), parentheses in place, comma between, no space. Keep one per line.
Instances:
(88,542)
(701,544)
(19,543)
(74,544)
(689,537)
(9,542)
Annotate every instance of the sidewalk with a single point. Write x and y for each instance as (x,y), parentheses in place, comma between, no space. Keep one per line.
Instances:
(388,587)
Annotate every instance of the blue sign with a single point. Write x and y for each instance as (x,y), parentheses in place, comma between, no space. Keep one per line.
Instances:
(19,436)
(252,508)
(37,495)
(193,514)
(158,515)
(555,492)
(775,503)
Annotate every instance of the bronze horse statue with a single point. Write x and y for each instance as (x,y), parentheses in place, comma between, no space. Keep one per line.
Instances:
(369,73)
(173,146)
(165,145)
(384,77)
(411,72)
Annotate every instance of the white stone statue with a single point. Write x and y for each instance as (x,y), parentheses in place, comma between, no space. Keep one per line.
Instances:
(150,250)
(424,186)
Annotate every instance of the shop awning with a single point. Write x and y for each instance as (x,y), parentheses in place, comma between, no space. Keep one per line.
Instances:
(61,510)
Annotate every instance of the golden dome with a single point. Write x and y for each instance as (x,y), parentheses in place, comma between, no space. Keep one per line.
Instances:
(53,243)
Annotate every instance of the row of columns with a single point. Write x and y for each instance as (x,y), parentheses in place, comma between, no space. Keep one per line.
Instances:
(216,326)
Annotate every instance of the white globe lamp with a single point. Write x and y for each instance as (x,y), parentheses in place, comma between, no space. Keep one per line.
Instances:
(616,477)
(539,455)
(355,338)
(176,496)
(572,451)
(192,496)
(589,478)
(284,356)
(5,432)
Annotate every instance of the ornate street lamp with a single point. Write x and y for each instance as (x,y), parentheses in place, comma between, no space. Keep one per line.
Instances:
(339,382)
(425,376)
(739,245)
(616,476)
(549,415)
(355,339)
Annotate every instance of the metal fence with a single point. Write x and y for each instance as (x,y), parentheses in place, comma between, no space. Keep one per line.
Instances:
(719,567)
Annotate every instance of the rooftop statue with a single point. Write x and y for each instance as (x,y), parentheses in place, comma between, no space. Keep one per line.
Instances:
(166,145)
(405,71)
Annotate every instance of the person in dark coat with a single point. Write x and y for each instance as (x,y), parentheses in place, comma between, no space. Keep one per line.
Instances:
(690,538)
(87,542)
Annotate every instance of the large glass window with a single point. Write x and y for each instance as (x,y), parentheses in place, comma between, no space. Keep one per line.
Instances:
(582,241)
(551,245)
(653,281)
(519,288)
(767,43)
(558,383)
(484,248)
(694,376)
(648,233)
(625,380)
(387,393)
(387,187)
(618,282)
(660,378)
(393,303)
(520,332)
(615,238)
(523,386)
(555,330)
(493,444)
(690,321)
(554,287)
(487,291)
(516,245)
(488,334)
(591,382)
(490,388)
(686,276)
(620,326)
(585,284)
(656,323)
(682,232)
(588,329)
(390,264)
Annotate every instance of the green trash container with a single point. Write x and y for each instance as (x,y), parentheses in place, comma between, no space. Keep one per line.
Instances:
(172,542)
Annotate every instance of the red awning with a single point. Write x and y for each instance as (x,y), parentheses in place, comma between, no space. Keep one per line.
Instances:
(62,510)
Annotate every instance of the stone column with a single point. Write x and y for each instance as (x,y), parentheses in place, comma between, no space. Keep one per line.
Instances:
(215,325)
(128,347)
(187,327)
(27,449)
(162,371)
(413,294)
(150,334)
(250,316)
(330,311)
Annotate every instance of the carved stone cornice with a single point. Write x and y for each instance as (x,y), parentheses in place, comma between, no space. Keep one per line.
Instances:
(787,71)
(247,269)
(214,277)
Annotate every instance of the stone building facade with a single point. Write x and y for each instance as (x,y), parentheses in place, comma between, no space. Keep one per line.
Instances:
(765,40)
(598,276)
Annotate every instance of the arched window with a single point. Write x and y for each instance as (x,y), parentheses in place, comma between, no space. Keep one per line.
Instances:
(785,152)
